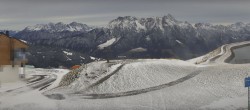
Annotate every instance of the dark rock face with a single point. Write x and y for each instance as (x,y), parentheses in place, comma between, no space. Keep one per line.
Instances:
(44,57)
(159,37)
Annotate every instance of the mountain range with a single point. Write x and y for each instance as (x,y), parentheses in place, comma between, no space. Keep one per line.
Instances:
(130,37)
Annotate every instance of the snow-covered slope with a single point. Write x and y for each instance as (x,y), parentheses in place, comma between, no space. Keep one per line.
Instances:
(131,84)
(144,74)
(107,43)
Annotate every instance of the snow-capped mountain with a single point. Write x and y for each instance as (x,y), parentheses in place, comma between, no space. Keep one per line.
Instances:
(138,24)
(59,27)
(163,33)
(47,33)
(159,37)
(237,26)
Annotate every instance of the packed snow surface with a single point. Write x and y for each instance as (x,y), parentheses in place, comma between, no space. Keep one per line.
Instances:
(143,74)
(143,84)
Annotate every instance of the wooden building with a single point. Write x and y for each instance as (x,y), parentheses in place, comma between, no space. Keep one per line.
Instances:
(12,56)
(10,47)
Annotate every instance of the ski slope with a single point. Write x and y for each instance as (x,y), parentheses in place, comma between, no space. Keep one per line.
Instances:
(142,84)
(144,74)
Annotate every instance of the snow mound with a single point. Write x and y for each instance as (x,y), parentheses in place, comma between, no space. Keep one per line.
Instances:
(92,74)
(144,74)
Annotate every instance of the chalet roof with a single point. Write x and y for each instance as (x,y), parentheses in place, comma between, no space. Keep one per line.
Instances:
(2,33)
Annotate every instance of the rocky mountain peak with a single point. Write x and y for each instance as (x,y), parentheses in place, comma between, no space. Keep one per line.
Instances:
(169,17)
(59,27)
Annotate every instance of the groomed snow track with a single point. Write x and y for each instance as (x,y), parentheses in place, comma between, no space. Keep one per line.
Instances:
(39,81)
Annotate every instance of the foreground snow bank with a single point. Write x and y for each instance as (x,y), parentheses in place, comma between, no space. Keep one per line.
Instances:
(230,103)
(142,74)
(215,87)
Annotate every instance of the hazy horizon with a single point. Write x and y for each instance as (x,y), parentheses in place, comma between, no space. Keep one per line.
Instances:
(17,14)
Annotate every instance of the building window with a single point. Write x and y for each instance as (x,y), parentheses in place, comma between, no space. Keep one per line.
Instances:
(1,68)
(20,55)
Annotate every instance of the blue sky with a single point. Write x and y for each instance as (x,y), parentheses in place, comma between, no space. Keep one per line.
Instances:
(17,14)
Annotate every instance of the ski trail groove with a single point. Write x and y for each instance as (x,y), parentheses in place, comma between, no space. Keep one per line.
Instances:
(40,77)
